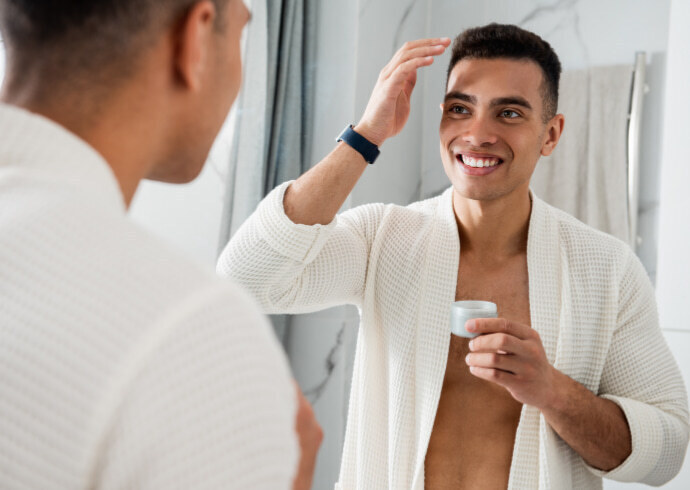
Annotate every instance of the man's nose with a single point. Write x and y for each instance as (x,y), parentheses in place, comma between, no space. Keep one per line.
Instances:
(480,132)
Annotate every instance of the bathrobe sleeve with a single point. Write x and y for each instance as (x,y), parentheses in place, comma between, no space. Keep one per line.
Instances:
(293,268)
(641,376)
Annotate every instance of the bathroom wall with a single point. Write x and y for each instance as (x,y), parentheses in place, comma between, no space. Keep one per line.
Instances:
(673,280)
(673,284)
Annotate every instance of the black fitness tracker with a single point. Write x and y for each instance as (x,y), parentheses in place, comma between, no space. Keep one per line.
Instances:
(366,148)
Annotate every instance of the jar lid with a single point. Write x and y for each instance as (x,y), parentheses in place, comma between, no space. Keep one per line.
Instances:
(478,306)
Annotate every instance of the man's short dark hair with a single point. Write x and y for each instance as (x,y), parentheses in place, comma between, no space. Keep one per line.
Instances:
(76,38)
(510,41)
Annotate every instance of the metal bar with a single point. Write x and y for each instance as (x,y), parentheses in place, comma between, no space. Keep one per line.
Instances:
(634,126)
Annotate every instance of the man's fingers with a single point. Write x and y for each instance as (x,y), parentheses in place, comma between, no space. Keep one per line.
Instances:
(408,54)
(496,342)
(499,325)
(404,72)
(498,376)
(418,43)
(492,360)
(389,105)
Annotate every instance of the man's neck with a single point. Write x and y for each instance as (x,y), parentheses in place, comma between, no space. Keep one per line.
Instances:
(494,230)
(123,138)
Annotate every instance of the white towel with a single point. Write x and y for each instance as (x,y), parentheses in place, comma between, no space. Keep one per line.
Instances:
(587,174)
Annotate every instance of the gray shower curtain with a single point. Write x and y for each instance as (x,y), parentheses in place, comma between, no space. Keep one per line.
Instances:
(274,112)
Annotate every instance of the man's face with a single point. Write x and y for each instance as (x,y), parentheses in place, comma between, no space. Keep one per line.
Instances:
(206,110)
(225,72)
(227,78)
(493,117)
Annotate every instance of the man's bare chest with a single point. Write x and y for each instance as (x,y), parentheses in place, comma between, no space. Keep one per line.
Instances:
(507,286)
(467,451)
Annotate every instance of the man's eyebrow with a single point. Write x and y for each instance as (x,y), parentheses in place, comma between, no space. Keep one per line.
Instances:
(460,96)
(514,100)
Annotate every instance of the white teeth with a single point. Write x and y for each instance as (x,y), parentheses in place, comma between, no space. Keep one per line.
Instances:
(478,162)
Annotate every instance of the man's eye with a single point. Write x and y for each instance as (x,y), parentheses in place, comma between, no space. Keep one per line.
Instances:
(508,114)
(458,109)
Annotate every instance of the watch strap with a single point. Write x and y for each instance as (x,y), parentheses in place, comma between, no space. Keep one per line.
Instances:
(366,148)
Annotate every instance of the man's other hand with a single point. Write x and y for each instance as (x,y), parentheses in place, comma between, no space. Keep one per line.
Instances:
(389,105)
(512,355)
(310,435)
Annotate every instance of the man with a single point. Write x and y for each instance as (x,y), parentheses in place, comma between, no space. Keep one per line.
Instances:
(574,382)
(122,365)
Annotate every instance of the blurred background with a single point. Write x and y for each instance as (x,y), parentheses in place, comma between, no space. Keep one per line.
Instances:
(310,67)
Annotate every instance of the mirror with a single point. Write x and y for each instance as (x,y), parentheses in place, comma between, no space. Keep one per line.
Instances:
(355,40)
(584,33)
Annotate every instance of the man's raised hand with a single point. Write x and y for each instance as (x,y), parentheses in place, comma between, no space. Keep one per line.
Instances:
(389,104)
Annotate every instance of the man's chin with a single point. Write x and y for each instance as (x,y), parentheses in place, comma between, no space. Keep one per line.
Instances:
(477,192)
(181,173)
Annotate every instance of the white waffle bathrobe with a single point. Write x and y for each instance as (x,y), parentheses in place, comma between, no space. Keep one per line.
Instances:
(590,300)
(123,365)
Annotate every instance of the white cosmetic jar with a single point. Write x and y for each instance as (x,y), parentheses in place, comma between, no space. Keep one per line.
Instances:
(461,311)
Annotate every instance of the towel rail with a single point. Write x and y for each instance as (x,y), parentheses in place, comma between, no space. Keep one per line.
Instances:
(634,127)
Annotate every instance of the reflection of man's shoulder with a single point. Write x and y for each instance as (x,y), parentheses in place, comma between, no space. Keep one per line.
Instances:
(417,212)
(386,212)
(584,242)
(429,204)
(410,226)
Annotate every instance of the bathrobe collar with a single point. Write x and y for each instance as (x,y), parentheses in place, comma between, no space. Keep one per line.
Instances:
(34,143)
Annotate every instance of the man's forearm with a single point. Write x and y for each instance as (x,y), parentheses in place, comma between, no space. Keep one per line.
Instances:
(316,196)
(594,427)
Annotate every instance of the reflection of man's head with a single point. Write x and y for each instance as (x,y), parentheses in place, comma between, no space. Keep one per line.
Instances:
(511,42)
(499,110)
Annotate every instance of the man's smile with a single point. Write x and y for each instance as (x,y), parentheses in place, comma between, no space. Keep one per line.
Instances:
(478,163)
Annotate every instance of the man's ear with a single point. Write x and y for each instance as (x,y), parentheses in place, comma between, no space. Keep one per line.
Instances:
(554,130)
(194,40)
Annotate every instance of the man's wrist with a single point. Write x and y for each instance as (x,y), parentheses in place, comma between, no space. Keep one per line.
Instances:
(368,150)
(557,397)
(371,135)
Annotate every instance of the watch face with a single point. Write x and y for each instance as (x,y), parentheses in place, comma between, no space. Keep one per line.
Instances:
(343,132)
